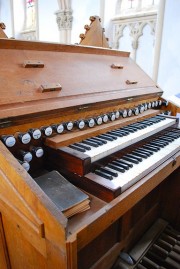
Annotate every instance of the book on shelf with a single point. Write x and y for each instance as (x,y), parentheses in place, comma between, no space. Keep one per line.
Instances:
(67,197)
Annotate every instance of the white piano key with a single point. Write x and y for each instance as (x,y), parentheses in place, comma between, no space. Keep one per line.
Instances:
(121,142)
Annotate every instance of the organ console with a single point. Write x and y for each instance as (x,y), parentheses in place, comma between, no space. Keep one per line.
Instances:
(106,130)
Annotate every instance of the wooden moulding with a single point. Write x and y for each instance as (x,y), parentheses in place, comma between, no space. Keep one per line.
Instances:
(44,46)
(4,258)
(36,120)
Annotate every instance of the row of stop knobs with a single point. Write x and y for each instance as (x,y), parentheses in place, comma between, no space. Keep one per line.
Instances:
(25,138)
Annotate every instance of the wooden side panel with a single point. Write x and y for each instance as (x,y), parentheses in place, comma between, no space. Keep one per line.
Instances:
(22,253)
(26,209)
(4,258)
(170,204)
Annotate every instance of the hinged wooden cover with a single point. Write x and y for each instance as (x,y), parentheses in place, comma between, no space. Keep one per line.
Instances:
(84,73)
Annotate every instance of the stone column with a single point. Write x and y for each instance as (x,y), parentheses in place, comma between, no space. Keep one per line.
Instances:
(64,21)
(118,6)
(158,39)
(139,6)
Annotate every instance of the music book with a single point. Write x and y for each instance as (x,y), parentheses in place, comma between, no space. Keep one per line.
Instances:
(67,197)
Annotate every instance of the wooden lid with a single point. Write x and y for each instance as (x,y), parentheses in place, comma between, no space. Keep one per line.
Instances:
(60,76)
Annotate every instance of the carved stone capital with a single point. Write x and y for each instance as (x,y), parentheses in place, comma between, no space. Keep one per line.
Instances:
(135,44)
(64,19)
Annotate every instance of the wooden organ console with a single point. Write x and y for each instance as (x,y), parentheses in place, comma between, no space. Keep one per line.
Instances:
(94,116)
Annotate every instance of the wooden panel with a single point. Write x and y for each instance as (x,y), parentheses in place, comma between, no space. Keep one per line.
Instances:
(21,252)
(4,258)
(170,206)
(98,247)
(66,158)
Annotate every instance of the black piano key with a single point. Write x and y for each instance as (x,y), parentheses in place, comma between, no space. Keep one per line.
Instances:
(77,148)
(112,135)
(140,126)
(82,146)
(144,122)
(101,140)
(93,139)
(148,153)
(153,120)
(121,164)
(90,143)
(102,174)
(123,132)
(133,155)
(108,171)
(165,143)
(174,135)
(169,139)
(137,126)
(117,133)
(130,159)
(126,162)
(147,123)
(158,143)
(151,148)
(161,140)
(140,154)
(171,134)
(131,130)
(160,117)
(175,130)
(108,138)
(132,126)
(116,167)
(155,145)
